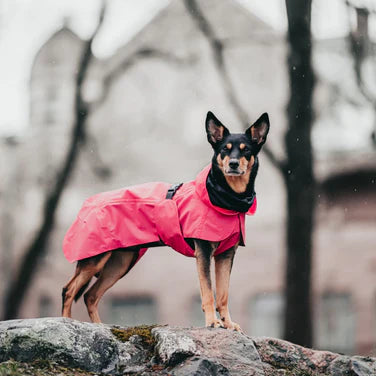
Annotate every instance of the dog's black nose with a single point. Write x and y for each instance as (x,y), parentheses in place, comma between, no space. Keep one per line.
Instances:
(234,164)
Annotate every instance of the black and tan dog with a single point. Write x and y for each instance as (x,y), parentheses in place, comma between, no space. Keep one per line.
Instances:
(203,219)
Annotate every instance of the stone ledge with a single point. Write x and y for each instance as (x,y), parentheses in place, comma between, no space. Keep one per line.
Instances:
(162,350)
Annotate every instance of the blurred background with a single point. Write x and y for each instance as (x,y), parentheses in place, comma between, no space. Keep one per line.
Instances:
(95,100)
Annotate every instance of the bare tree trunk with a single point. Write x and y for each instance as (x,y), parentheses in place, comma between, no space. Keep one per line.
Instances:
(32,256)
(297,170)
(299,179)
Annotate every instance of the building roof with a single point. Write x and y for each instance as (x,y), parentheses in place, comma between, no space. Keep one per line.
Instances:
(54,44)
(172,28)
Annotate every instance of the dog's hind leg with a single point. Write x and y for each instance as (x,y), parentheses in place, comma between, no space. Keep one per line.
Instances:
(223,266)
(204,251)
(85,270)
(116,267)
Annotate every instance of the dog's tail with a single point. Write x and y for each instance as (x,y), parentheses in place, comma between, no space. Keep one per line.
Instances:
(82,290)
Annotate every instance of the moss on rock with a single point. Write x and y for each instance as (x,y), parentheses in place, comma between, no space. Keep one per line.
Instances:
(143,331)
(39,367)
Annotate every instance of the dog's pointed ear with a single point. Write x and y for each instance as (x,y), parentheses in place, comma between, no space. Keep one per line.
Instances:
(258,131)
(215,130)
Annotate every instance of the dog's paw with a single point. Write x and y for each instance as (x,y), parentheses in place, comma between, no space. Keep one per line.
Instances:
(237,327)
(216,324)
(233,326)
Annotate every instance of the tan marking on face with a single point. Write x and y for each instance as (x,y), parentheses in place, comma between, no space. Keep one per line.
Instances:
(237,183)
(219,161)
(229,146)
(243,164)
(223,163)
(251,162)
(241,146)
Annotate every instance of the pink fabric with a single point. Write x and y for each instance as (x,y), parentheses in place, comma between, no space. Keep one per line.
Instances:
(141,214)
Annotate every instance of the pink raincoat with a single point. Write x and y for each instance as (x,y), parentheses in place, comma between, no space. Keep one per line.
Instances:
(141,214)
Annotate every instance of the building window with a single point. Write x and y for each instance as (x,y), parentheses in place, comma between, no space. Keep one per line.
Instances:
(132,311)
(266,315)
(45,306)
(335,323)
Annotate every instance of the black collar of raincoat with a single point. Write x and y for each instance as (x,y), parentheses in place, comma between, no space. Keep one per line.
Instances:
(224,197)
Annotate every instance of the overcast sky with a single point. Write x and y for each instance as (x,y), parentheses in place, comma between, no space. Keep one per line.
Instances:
(26,24)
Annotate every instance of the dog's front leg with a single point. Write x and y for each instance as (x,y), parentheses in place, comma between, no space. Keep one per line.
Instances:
(204,251)
(223,266)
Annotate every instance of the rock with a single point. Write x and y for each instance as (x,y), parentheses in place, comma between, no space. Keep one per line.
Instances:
(233,350)
(161,350)
(77,344)
(290,359)
(173,345)
(201,367)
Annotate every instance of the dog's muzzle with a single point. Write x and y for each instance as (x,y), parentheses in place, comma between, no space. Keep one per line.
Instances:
(233,169)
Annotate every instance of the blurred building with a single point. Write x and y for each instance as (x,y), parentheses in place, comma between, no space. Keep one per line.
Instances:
(150,126)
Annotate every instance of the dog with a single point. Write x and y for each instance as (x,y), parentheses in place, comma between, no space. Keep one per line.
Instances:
(203,219)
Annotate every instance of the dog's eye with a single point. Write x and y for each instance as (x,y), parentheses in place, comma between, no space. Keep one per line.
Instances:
(246,149)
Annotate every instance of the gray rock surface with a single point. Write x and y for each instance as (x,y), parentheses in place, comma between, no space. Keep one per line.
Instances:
(167,350)
(173,346)
(284,357)
(78,344)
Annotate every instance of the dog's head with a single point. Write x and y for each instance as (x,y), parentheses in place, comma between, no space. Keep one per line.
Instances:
(235,153)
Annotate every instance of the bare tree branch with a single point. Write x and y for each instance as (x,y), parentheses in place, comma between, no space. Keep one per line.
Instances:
(144,53)
(99,167)
(359,45)
(82,109)
(360,49)
(131,60)
(33,254)
(217,48)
